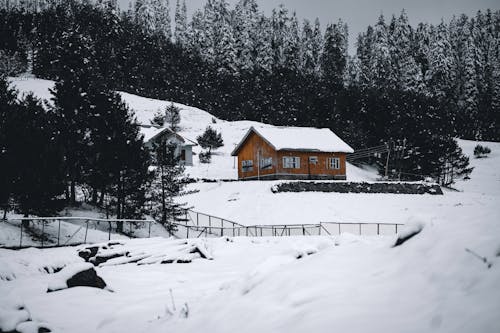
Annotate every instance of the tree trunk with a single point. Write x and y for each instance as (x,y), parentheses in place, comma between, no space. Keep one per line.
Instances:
(72,194)
(163,205)
(101,198)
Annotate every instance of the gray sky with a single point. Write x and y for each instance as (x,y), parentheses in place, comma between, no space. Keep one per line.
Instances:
(360,13)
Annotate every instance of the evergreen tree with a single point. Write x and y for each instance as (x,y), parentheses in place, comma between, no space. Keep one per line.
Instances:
(37,159)
(334,55)
(173,116)
(181,23)
(8,107)
(168,184)
(161,18)
(210,139)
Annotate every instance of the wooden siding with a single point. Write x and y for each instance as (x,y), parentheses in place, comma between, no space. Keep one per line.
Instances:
(255,146)
(319,169)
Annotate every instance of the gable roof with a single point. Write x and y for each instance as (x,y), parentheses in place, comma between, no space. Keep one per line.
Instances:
(152,132)
(298,138)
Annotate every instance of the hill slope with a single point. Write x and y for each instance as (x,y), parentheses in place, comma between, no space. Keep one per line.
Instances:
(193,123)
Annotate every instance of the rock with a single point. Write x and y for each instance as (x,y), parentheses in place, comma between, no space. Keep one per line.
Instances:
(88,278)
(80,275)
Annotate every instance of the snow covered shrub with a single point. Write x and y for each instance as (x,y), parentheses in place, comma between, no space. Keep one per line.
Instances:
(205,157)
(481,151)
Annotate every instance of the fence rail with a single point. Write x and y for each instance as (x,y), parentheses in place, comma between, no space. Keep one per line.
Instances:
(322,228)
(62,231)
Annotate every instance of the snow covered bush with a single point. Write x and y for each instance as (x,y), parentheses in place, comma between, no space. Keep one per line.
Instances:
(481,151)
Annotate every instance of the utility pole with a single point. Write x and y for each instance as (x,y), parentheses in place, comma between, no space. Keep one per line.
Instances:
(387,161)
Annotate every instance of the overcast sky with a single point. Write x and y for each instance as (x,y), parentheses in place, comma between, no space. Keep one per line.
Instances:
(360,13)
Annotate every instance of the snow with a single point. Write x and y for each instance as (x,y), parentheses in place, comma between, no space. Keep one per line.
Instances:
(302,138)
(345,283)
(59,280)
(150,132)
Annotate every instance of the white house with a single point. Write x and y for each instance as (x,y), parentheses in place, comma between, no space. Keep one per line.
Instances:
(156,135)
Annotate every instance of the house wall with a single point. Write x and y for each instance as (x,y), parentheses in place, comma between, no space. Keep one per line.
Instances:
(189,155)
(320,169)
(256,146)
(253,147)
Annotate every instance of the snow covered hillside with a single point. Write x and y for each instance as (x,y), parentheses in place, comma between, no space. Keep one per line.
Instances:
(444,279)
(193,123)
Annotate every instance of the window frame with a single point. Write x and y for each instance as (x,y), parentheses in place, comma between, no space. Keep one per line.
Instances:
(334,165)
(266,163)
(291,162)
(246,165)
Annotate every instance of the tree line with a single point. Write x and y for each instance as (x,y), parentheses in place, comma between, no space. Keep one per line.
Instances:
(424,85)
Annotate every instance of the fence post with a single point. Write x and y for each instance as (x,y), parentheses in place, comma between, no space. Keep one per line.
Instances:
(197,219)
(303,230)
(319,232)
(209,221)
(222,228)
(246,231)
(109,231)
(396,227)
(187,231)
(339,227)
(360,229)
(378,228)
(149,231)
(58,232)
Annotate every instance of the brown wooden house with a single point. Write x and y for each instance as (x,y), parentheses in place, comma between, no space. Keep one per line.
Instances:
(291,153)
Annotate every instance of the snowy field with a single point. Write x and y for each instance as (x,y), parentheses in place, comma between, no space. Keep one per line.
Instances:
(345,283)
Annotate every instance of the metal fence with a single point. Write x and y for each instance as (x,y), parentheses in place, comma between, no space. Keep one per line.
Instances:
(188,230)
(62,231)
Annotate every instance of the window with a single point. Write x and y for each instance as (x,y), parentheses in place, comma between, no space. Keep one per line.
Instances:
(313,159)
(266,163)
(290,162)
(334,163)
(247,165)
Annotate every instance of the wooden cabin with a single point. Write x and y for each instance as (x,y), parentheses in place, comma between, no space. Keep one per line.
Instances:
(291,153)
(155,135)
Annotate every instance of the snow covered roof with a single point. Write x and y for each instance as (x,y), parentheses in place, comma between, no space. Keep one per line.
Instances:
(299,138)
(151,132)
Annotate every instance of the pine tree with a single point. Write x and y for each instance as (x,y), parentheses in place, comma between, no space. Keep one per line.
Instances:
(71,102)
(8,105)
(263,46)
(36,154)
(244,22)
(210,139)
(161,18)
(334,55)
(173,116)
(167,185)
(181,23)
(439,77)
(380,59)
(292,45)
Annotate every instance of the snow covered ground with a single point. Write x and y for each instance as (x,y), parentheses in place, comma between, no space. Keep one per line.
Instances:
(346,283)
